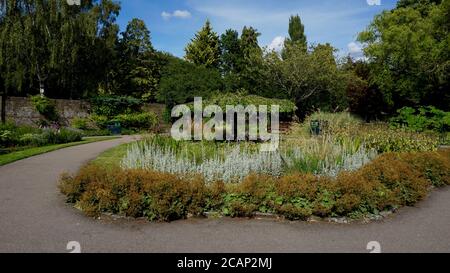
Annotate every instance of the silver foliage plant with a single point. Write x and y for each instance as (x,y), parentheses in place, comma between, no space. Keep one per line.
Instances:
(233,166)
(235,162)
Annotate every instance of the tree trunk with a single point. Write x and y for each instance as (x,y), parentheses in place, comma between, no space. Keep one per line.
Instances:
(41,88)
(4,97)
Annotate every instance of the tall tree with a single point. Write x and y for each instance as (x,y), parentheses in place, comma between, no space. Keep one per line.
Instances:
(204,49)
(296,34)
(231,59)
(231,53)
(251,54)
(138,64)
(311,79)
(408,51)
(182,81)
(12,70)
(249,41)
(66,50)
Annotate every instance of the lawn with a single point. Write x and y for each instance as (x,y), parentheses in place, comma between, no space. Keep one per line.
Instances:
(112,157)
(14,156)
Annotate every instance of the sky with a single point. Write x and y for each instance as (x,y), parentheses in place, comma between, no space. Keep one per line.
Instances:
(173,23)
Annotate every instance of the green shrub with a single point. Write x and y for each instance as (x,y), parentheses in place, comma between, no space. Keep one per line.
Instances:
(87,123)
(242,98)
(100,121)
(45,107)
(145,120)
(11,134)
(113,106)
(33,140)
(97,132)
(389,140)
(422,119)
(6,138)
(64,135)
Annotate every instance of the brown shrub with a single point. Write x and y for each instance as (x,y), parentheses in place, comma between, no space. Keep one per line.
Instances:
(406,183)
(292,212)
(298,185)
(435,166)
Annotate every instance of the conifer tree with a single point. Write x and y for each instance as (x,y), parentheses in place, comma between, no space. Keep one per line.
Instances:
(297,35)
(204,49)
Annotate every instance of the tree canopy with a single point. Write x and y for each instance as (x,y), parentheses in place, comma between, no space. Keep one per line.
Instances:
(296,34)
(408,50)
(204,48)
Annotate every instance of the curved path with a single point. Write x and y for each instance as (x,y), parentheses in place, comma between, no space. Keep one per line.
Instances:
(34,218)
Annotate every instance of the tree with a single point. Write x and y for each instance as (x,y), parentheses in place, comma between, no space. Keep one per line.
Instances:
(416,3)
(231,59)
(364,97)
(231,53)
(249,64)
(296,34)
(138,68)
(12,70)
(181,81)
(204,48)
(311,79)
(408,51)
(249,41)
(66,50)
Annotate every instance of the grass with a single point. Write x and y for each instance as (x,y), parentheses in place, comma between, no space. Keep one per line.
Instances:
(111,158)
(14,156)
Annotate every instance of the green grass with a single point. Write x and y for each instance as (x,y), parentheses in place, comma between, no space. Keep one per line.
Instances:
(111,158)
(14,156)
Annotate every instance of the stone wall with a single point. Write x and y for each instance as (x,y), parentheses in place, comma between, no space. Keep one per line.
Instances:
(21,111)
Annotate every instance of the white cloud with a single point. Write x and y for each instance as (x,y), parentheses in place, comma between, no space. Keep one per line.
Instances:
(182,14)
(166,15)
(277,44)
(355,50)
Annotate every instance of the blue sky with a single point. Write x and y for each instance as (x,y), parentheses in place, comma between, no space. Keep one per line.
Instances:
(173,23)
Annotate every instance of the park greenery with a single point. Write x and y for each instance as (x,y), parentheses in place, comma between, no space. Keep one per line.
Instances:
(79,52)
(381,118)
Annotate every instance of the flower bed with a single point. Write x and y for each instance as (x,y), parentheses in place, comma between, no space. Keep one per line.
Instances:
(392,180)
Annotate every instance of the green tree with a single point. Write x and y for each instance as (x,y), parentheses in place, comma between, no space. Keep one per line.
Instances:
(66,50)
(249,41)
(231,59)
(181,81)
(364,97)
(231,53)
(311,79)
(296,34)
(138,69)
(204,49)
(250,60)
(408,49)
(416,3)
